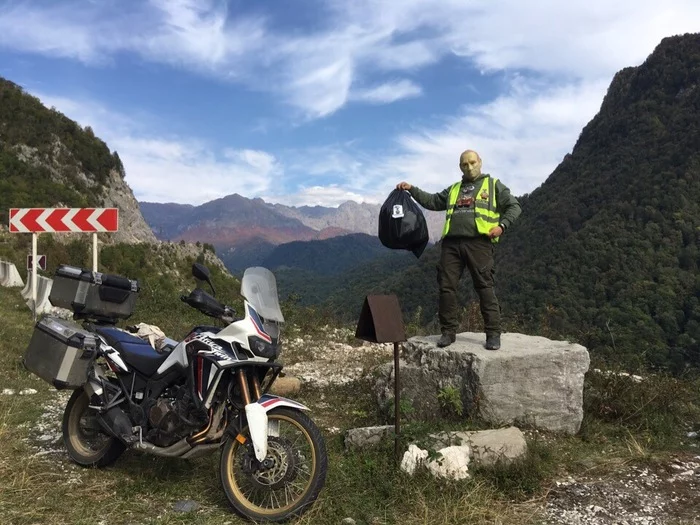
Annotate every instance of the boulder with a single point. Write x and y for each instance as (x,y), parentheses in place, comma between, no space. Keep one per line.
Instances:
(357,438)
(413,458)
(487,446)
(531,381)
(450,463)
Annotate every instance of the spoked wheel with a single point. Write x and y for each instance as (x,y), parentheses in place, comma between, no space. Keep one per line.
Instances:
(87,443)
(288,480)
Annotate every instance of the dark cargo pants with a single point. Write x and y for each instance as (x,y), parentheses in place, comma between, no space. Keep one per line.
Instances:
(477,255)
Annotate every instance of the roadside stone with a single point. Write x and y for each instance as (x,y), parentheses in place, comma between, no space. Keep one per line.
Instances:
(348,521)
(286,386)
(27,392)
(531,381)
(186,505)
(357,438)
(488,446)
(413,458)
(453,463)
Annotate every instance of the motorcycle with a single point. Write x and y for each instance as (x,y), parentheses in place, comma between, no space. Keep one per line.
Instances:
(206,393)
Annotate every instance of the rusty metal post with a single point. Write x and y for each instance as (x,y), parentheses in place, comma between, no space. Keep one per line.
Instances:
(381,321)
(397,408)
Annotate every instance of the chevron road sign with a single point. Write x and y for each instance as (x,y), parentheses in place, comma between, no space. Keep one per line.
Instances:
(41,262)
(64,220)
(61,220)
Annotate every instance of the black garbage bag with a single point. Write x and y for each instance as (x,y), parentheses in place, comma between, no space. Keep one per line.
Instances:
(402,225)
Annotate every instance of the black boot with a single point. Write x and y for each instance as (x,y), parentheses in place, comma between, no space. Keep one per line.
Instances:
(493,342)
(446,340)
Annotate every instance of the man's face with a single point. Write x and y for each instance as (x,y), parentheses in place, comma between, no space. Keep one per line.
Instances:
(470,164)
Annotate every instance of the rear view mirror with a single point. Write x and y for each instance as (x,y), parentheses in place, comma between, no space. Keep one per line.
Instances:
(201,272)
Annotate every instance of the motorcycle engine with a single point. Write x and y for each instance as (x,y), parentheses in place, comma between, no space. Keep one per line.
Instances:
(172,418)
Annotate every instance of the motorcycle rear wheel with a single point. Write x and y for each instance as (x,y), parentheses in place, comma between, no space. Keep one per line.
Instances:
(87,443)
(291,485)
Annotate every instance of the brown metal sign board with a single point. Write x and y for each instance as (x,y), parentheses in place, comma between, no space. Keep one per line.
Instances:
(381,320)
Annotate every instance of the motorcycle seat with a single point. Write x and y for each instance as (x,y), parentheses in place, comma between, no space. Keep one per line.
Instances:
(135,351)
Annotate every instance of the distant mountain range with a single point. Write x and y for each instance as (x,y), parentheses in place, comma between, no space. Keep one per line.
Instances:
(245,231)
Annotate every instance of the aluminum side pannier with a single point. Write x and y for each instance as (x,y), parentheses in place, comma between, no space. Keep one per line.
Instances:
(60,352)
(93,294)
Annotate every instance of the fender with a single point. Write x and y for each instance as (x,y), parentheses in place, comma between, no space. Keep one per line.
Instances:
(256,414)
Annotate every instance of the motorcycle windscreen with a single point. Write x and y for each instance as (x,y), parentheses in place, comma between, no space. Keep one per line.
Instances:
(259,287)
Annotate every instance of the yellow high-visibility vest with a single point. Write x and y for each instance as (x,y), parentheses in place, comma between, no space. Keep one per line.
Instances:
(485,213)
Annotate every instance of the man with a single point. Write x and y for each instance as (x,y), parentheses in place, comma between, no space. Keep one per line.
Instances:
(479,209)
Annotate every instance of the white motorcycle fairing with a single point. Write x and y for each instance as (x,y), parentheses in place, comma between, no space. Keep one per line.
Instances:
(256,413)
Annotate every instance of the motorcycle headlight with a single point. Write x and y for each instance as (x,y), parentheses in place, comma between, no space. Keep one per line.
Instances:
(263,348)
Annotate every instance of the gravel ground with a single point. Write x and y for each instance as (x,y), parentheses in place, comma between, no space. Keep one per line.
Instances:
(332,361)
(659,494)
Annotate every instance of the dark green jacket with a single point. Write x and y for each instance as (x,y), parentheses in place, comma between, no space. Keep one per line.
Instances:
(463,223)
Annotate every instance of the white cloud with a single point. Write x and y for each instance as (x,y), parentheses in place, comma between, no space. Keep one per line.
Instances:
(190,33)
(320,71)
(188,172)
(521,136)
(330,196)
(559,57)
(166,169)
(389,92)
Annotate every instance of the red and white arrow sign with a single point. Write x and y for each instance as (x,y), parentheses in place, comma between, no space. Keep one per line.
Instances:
(86,220)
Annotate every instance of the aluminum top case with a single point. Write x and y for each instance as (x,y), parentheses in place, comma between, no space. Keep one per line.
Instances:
(93,295)
(60,352)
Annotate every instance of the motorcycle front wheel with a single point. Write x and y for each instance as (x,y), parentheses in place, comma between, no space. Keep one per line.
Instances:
(290,478)
(87,443)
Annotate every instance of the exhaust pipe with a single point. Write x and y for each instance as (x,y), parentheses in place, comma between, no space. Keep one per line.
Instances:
(173,451)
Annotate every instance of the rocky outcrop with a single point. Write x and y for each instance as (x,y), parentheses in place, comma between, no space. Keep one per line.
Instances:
(132,226)
(114,193)
(531,381)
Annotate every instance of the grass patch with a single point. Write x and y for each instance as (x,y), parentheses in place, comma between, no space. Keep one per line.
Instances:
(624,422)
(649,410)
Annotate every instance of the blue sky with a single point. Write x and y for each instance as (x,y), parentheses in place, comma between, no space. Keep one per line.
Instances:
(319,102)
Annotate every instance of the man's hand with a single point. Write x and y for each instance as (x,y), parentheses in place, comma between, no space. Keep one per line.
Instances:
(403,186)
(495,232)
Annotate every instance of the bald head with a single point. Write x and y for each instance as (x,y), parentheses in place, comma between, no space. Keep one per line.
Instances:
(470,164)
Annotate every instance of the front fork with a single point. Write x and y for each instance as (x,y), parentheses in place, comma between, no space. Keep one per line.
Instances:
(255,413)
(256,408)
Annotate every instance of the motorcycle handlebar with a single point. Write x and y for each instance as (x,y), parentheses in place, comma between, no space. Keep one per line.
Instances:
(208,305)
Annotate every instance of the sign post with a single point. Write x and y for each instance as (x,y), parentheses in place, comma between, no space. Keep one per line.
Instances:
(94,252)
(62,220)
(34,271)
(381,321)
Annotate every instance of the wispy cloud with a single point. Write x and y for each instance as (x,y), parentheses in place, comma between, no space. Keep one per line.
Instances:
(522,135)
(331,196)
(161,168)
(555,58)
(389,92)
(320,71)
